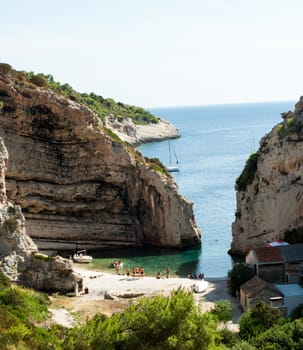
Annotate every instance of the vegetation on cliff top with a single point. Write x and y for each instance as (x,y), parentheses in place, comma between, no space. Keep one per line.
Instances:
(101,106)
(248,172)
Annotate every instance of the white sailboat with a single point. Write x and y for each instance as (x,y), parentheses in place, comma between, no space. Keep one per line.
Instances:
(172,168)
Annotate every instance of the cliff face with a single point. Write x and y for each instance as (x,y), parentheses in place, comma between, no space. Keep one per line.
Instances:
(19,257)
(270,204)
(136,134)
(79,187)
(15,245)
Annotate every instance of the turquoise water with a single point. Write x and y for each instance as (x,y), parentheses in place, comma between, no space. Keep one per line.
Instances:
(214,145)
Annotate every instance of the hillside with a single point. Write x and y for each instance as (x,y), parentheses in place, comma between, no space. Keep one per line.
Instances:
(132,124)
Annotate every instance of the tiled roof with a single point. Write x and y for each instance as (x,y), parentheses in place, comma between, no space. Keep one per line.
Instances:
(292,252)
(269,254)
(256,285)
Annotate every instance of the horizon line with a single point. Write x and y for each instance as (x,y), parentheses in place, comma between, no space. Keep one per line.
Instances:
(219,104)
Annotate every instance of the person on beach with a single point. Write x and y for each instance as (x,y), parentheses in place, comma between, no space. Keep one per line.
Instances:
(167,272)
(158,275)
(127,272)
(142,271)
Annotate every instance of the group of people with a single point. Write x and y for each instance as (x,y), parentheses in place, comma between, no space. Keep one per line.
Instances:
(137,271)
(194,276)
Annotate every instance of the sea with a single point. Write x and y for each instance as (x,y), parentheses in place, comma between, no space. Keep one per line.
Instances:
(215,142)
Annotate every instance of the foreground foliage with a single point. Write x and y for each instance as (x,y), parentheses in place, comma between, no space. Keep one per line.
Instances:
(159,323)
(257,320)
(20,310)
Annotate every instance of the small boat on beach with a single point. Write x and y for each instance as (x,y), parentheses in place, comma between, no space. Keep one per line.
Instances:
(82,257)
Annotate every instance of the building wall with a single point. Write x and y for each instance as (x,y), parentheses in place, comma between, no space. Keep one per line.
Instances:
(263,296)
(271,273)
(292,302)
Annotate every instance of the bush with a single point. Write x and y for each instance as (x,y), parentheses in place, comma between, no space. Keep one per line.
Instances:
(157,165)
(248,172)
(227,337)
(239,274)
(287,335)
(158,323)
(223,310)
(257,320)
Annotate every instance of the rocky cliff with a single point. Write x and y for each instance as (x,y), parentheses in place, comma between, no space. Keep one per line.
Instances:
(270,189)
(19,257)
(136,134)
(78,185)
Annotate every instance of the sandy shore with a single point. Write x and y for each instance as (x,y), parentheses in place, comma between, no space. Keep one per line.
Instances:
(109,293)
(101,283)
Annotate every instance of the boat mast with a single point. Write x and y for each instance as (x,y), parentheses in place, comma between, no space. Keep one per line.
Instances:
(170,163)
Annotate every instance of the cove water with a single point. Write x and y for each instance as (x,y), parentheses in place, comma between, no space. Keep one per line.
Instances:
(212,150)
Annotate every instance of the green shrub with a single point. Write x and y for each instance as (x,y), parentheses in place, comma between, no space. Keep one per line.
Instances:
(223,310)
(157,165)
(257,320)
(227,337)
(157,323)
(248,172)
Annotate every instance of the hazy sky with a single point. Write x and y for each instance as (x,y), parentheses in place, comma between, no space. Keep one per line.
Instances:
(161,52)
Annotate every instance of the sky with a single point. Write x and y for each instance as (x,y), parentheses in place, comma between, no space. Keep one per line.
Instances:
(155,53)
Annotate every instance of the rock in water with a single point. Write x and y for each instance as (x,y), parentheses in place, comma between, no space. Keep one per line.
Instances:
(80,186)
(270,192)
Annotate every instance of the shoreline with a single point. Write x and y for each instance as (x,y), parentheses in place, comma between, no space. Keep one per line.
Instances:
(109,293)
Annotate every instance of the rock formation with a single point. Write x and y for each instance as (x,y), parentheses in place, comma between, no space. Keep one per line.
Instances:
(270,189)
(19,257)
(78,185)
(136,134)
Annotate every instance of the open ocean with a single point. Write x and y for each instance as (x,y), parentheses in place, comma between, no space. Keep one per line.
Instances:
(214,145)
